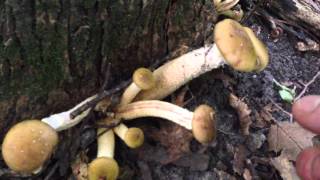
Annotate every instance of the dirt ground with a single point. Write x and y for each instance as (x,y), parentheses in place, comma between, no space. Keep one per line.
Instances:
(233,155)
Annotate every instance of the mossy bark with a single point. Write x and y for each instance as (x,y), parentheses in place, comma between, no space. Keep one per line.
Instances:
(54,53)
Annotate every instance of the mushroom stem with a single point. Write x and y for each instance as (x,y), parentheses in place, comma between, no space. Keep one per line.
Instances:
(234,45)
(104,166)
(105,143)
(133,137)
(62,121)
(129,94)
(143,79)
(181,70)
(156,108)
(201,121)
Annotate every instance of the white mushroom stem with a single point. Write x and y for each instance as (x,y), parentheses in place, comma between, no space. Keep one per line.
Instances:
(181,70)
(156,108)
(129,94)
(105,143)
(121,130)
(62,121)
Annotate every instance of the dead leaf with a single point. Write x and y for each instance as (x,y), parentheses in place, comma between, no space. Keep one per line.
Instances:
(223,175)
(240,156)
(243,113)
(174,137)
(285,167)
(264,117)
(291,138)
(247,174)
(80,166)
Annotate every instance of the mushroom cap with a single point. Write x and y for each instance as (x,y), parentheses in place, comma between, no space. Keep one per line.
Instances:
(235,45)
(103,167)
(134,137)
(28,144)
(260,49)
(203,124)
(143,78)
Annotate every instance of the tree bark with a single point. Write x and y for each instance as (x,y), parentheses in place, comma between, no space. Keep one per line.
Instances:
(305,13)
(54,53)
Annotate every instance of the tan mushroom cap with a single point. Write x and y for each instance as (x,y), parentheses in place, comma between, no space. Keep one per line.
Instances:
(134,137)
(103,168)
(28,144)
(260,49)
(235,45)
(143,78)
(203,124)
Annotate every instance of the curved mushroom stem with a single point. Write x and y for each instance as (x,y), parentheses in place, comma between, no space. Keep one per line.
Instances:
(201,121)
(181,70)
(143,79)
(62,121)
(129,94)
(156,108)
(105,143)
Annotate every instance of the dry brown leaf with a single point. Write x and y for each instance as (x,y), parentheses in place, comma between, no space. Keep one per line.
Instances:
(291,138)
(174,137)
(240,156)
(80,167)
(222,175)
(285,167)
(243,113)
(247,174)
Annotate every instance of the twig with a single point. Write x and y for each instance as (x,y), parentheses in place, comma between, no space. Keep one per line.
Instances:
(281,109)
(306,86)
(101,96)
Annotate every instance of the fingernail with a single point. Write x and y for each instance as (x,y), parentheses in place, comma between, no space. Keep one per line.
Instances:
(315,173)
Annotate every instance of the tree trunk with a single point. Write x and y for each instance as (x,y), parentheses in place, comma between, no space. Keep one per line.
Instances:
(305,13)
(54,53)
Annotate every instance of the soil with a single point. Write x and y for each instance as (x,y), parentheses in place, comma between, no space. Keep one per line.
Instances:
(232,153)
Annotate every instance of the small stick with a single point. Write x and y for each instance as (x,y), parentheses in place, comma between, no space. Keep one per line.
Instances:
(306,86)
(281,109)
(100,96)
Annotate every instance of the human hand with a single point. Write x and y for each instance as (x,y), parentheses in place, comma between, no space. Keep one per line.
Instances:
(307,113)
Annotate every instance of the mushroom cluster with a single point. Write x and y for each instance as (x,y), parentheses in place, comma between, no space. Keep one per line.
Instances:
(29,144)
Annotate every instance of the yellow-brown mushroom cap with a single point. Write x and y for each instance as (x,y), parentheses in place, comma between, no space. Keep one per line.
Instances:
(260,49)
(134,137)
(203,124)
(28,144)
(235,45)
(143,78)
(103,168)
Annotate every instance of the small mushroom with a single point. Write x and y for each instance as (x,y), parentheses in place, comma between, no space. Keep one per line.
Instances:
(201,121)
(104,166)
(133,137)
(142,80)
(233,46)
(28,145)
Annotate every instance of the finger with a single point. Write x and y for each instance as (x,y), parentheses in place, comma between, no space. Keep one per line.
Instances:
(307,112)
(308,164)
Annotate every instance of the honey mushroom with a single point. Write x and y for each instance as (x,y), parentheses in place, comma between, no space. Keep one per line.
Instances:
(235,45)
(30,143)
(104,166)
(201,121)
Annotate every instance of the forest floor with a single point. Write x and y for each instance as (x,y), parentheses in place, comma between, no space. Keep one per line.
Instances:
(244,148)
